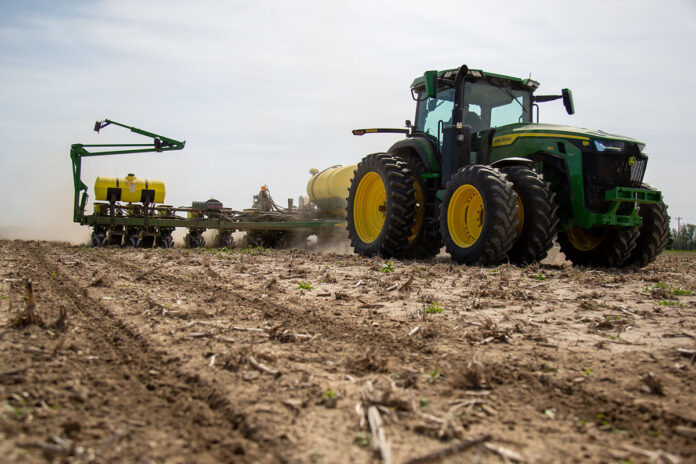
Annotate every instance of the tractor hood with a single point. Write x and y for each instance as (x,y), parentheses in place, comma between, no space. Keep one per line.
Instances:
(562,131)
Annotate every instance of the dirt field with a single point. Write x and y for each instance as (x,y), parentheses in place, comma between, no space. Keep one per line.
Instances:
(178,356)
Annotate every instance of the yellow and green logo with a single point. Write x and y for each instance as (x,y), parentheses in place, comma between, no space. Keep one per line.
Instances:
(632,161)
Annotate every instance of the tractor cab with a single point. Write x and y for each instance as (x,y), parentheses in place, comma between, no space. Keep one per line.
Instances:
(480,100)
(489,102)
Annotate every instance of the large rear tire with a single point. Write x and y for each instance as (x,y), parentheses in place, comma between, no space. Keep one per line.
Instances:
(381,206)
(537,219)
(654,234)
(425,240)
(601,246)
(478,216)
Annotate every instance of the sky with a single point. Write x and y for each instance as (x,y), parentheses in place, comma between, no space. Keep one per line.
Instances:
(263,91)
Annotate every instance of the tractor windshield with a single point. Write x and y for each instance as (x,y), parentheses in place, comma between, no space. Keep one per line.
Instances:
(485,106)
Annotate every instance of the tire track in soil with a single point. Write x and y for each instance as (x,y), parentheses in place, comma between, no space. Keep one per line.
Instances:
(301,316)
(138,397)
(304,317)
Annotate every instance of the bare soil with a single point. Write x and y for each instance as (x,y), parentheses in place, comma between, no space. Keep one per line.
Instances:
(180,356)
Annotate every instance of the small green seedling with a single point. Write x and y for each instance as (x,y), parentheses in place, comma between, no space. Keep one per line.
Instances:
(433,308)
(362,439)
(674,291)
(389,267)
(669,303)
(18,412)
(304,286)
(329,398)
(423,402)
(539,276)
(546,368)
(434,375)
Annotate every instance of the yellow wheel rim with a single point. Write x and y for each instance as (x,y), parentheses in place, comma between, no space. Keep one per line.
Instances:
(520,217)
(370,207)
(582,240)
(420,211)
(465,216)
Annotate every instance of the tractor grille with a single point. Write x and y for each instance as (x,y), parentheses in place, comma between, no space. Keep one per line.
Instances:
(638,171)
(604,171)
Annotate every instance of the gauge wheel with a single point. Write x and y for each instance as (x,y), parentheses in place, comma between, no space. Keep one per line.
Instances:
(166,241)
(225,240)
(134,241)
(98,239)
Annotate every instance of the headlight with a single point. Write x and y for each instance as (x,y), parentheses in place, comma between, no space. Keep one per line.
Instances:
(609,145)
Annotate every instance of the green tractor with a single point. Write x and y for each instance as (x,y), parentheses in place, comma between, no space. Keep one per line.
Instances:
(476,173)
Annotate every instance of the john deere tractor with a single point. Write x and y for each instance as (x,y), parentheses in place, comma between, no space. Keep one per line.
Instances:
(477,173)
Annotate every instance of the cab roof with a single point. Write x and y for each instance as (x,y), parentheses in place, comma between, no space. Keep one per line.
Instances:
(480,75)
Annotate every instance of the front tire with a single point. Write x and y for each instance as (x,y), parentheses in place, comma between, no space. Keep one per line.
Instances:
(602,246)
(537,220)
(654,234)
(478,216)
(381,206)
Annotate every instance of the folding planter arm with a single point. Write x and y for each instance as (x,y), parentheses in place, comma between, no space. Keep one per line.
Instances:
(79,151)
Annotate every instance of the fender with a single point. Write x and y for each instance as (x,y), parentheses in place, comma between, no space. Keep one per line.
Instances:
(422,147)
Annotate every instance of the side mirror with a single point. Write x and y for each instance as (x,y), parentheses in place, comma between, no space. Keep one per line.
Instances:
(431,83)
(568,101)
